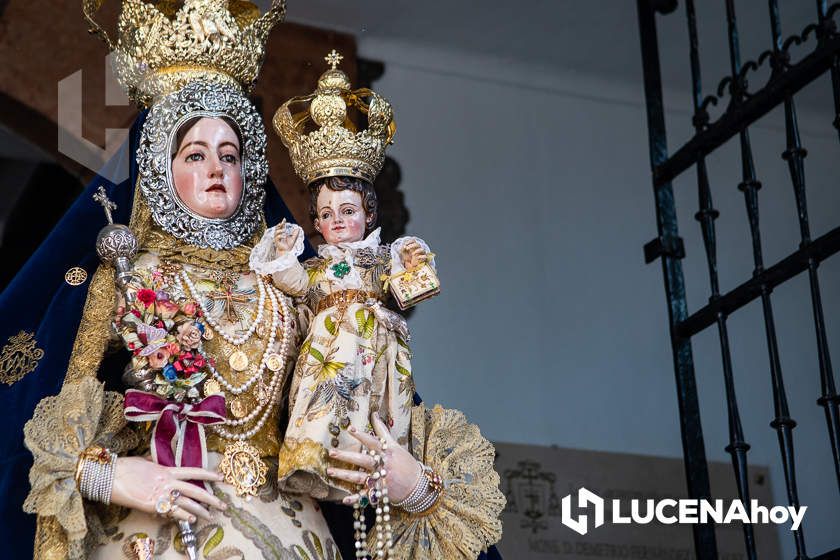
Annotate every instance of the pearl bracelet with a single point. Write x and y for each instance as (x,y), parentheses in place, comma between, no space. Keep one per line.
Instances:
(425,494)
(95,474)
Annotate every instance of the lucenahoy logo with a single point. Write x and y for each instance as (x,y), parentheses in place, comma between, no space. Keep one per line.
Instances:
(670,511)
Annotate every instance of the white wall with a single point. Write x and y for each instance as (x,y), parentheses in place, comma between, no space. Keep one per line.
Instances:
(533,189)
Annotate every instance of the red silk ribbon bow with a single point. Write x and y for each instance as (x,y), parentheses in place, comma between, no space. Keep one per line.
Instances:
(178,436)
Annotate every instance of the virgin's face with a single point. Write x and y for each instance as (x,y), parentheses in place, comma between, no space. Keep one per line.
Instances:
(341,216)
(207,169)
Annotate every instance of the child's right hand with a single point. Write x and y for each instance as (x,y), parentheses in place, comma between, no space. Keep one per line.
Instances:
(285,237)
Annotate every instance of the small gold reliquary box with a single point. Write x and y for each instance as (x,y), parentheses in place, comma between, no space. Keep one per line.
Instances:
(414,286)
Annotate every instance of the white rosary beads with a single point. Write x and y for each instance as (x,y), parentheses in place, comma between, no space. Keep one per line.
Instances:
(375,493)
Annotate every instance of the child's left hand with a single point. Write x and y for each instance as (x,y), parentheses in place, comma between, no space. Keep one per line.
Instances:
(412,255)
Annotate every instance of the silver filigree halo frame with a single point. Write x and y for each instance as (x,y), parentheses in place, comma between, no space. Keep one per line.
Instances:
(154,162)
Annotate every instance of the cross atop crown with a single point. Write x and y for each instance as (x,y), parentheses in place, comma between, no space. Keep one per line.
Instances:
(333,59)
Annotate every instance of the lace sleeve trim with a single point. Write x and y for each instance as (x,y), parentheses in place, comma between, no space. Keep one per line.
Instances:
(264,258)
(82,414)
(466,520)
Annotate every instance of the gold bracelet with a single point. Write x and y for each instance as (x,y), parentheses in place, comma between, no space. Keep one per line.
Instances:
(95,453)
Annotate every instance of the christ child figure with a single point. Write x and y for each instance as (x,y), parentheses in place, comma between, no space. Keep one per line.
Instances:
(355,359)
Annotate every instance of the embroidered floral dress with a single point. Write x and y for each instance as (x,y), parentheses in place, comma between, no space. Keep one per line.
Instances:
(355,359)
(270,524)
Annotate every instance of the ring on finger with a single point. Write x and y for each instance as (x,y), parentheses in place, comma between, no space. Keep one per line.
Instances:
(175,507)
(165,504)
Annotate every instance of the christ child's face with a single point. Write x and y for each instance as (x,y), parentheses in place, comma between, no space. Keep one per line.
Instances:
(341,218)
(207,169)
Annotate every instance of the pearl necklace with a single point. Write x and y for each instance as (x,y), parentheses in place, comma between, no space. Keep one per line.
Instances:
(279,307)
(278,303)
(235,340)
(274,378)
(239,389)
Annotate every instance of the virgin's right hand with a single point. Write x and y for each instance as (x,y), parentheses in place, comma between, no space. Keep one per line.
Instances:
(139,483)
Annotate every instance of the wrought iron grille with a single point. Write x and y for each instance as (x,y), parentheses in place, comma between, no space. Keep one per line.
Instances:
(742,109)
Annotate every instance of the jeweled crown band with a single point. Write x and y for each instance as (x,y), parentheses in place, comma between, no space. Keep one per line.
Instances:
(211,38)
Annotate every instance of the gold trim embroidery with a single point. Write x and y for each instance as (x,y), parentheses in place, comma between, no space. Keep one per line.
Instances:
(302,468)
(94,328)
(19,356)
(76,276)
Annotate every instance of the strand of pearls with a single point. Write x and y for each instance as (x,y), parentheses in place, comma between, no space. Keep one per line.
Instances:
(278,303)
(239,389)
(377,492)
(97,478)
(272,383)
(235,340)
(359,530)
(384,532)
(425,494)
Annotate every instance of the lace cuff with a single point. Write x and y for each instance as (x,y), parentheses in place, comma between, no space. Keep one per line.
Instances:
(465,521)
(396,247)
(82,414)
(264,259)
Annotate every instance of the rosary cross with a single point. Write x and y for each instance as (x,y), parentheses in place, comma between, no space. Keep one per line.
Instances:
(106,203)
(228,298)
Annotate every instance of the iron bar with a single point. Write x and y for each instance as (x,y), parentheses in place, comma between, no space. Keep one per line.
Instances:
(795,154)
(819,250)
(738,116)
(707,214)
(825,30)
(782,422)
(691,431)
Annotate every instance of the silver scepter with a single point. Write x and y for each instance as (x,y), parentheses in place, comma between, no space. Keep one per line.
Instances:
(116,244)
(189,540)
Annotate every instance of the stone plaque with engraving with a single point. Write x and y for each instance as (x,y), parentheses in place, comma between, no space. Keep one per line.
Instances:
(535,479)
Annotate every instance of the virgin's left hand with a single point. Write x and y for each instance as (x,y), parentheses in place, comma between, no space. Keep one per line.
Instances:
(402,469)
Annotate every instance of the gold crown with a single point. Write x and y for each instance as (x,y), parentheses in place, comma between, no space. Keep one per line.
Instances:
(337,147)
(161,46)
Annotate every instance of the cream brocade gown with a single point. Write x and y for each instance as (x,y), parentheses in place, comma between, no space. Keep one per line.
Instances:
(270,525)
(352,361)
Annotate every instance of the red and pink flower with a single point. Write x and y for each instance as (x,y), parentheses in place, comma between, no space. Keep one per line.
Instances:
(146,296)
(190,308)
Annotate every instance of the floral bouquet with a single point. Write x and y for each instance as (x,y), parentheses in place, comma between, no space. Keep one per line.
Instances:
(164,338)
